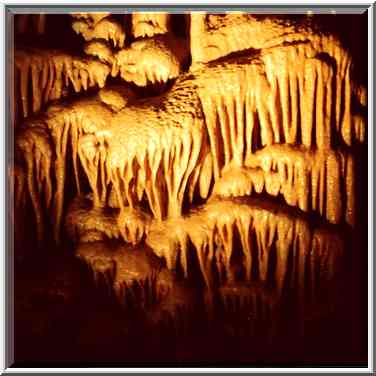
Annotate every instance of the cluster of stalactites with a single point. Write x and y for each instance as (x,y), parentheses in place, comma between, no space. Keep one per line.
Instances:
(33,174)
(142,154)
(95,137)
(150,61)
(149,24)
(42,145)
(155,57)
(214,36)
(86,223)
(136,278)
(320,181)
(94,26)
(287,95)
(17,194)
(240,246)
(99,26)
(127,163)
(265,233)
(50,73)
(261,103)
(161,150)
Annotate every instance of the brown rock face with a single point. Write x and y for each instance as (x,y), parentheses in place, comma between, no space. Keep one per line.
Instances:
(219,160)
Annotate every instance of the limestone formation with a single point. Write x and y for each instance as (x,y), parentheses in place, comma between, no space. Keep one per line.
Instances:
(235,146)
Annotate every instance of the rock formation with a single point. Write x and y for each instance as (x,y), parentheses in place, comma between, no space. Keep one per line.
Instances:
(232,145)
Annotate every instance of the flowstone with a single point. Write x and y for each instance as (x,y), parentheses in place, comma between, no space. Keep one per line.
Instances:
(217,158)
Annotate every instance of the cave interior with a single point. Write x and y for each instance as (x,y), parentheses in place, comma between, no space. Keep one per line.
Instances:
(189,189)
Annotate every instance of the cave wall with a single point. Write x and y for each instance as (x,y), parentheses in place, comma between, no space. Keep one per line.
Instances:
(226,151)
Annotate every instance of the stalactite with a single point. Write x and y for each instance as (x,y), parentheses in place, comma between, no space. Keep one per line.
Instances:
(50,72)
(206,173)
(296,102)
(63,124)
(122,267)
(102,28)
(60,134)
(311,180)
(33,146)
(100,49)
(133,225)
(211,228)
(162,165)
(84,222)
(148,24)
(90,157)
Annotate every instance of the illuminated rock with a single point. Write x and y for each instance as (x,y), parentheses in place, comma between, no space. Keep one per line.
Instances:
(245,162)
